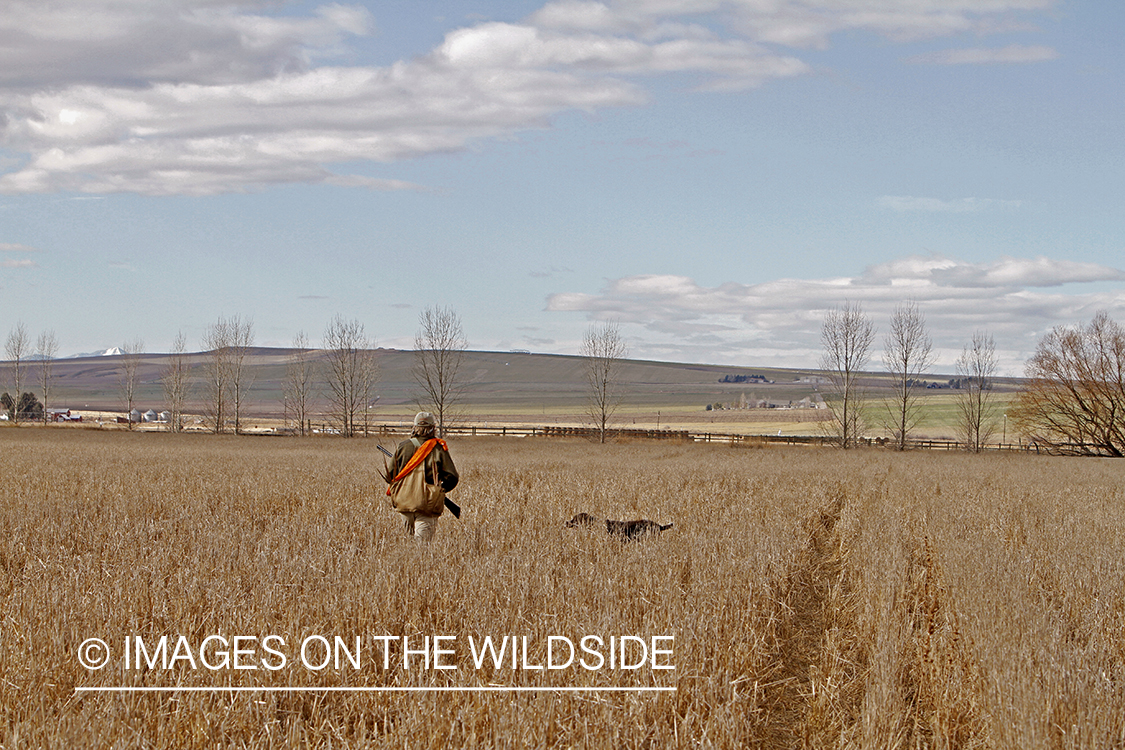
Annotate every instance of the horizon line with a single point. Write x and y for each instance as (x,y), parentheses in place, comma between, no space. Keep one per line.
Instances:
(811,369)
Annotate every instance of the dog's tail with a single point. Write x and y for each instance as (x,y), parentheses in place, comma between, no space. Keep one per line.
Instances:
(665,528)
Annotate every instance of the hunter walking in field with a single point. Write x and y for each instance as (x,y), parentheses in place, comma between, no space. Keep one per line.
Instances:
(420,474)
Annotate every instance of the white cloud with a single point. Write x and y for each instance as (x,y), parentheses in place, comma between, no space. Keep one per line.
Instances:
(1019,272)
(11,247)
(508,46)
(935,205)
(778,322)
(208,96)
(1013,53)
(18,263)
(794,23)
(196,139)
(580,15)
(138,43)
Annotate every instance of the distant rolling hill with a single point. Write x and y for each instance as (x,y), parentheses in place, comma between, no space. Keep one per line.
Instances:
(495,382)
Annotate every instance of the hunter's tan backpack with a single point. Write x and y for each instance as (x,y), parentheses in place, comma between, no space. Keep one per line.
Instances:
(409,492)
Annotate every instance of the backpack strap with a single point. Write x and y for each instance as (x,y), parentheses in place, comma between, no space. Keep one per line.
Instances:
(419,456)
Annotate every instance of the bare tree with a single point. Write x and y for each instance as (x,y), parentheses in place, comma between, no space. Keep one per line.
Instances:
(300,381)
(17,347)
(604,349)
(1074,399)
(47,348)
(216,367)
(907,353)
(241,339)
(227,342)
(368,378)
(439,350)
(351,373)
(175,382)
(847,334)
(130,362)
(976,407)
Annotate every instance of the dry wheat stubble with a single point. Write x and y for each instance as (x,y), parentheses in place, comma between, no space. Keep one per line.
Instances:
(816,597)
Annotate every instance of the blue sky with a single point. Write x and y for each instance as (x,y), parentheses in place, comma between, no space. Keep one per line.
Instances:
(714,174)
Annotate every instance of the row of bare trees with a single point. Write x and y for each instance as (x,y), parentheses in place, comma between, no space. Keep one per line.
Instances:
(344,372)
(348,371)
(19,351)
(847,335)
(222,378)
(1073,400)
(226,380)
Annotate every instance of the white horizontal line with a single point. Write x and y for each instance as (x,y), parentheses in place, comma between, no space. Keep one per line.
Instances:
(447,689)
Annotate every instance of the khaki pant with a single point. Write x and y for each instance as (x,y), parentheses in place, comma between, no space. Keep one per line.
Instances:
(420,527)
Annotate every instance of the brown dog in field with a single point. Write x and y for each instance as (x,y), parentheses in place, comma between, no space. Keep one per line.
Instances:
(627,530)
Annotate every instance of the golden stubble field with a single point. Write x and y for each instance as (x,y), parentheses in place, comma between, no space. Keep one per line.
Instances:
(816,598)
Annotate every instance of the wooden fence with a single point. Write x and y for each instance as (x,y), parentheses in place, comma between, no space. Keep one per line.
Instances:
(688,436)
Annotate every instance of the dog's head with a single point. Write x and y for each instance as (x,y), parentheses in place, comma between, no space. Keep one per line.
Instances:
(582,519)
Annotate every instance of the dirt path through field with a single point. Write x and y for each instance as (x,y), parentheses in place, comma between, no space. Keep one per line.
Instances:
(806,697)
